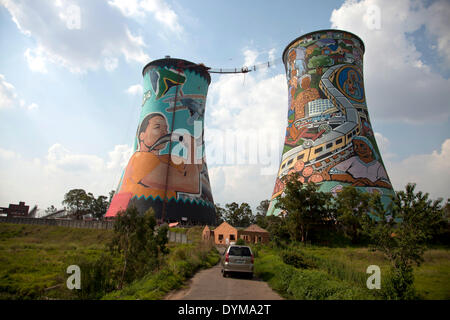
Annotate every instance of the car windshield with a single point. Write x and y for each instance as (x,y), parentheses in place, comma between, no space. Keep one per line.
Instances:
(239,251)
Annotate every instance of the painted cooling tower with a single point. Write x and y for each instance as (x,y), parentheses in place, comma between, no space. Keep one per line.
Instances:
(167,171)
(329,139)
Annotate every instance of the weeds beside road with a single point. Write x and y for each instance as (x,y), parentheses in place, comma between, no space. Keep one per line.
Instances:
(340,273)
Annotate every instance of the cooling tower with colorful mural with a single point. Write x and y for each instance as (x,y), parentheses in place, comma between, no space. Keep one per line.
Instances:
(329,138)
(167,170)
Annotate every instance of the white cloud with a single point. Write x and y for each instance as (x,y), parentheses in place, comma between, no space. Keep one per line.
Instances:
(240,184)
(135,89)
(431,172)
(7,93)
(399,85)
(36,59)
(239,106)
(438,24)
(160,10)
(9,98)
(110,63)
(33,106)
(384,146)
(272,55)
(44,181)
(118,158)
(97,36)
(250,57)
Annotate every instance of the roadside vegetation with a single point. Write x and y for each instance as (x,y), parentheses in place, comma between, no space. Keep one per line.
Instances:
(134,261)
(323,245)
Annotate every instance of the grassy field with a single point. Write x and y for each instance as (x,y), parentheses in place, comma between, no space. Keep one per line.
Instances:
(345,268)
(33,261)
(34,258)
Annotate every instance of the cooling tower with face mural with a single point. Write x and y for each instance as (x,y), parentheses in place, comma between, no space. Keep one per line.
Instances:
(167,170)
(329,138)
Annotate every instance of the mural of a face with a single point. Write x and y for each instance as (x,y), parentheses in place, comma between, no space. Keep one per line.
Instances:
(329,139)
(351,82)
(306,82)
(363,150)
(165,171)
(156,128)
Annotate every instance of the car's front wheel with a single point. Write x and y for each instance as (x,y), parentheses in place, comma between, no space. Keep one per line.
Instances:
(224,273)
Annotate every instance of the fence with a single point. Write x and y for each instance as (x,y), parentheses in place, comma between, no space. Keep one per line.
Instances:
(172,236)
(61,223)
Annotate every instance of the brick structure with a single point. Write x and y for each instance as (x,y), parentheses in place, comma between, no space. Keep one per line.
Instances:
(225,233)
(207,234)
(254,234)
(16,210)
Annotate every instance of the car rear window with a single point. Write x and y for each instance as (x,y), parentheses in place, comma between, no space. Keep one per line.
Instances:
(239,251)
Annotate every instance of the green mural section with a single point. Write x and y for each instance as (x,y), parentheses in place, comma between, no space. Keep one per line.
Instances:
(329,139)
(167,170)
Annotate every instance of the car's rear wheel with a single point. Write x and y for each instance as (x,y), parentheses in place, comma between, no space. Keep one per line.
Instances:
(224,273)
(250,275)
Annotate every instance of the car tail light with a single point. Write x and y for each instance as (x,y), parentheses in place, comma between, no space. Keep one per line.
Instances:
(227,258)
(252,258)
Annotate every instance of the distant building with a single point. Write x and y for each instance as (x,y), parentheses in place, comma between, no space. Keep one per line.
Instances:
(225,234)
(16,210)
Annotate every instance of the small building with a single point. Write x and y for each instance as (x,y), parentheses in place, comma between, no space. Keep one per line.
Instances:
(16,210)
(225,233)
(254,234)
(207,234)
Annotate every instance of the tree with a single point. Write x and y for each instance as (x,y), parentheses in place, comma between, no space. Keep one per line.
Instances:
(260,218)
(305,207)
(111,195)
(77,202)
(239,215)
(352,208)
(401,232)
(50,210)
(99,206)
(220,214)
(263,207)
(138,242)
(278,230)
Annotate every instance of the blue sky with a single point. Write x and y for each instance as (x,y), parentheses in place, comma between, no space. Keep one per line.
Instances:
(70,93)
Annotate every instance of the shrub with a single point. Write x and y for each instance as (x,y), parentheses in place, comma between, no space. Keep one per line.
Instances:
(399,285)
(98,276)
(295,259)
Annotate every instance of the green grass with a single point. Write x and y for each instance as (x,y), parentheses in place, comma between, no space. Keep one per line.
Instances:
(181,264)
(340,273)
(34,258)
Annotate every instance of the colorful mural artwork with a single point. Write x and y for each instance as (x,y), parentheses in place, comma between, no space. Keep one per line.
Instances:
(329,139)
(168,171)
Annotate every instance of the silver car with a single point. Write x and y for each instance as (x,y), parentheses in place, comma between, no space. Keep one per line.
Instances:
(237,259)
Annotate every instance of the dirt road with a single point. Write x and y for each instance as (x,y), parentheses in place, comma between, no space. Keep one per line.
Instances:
(209,284)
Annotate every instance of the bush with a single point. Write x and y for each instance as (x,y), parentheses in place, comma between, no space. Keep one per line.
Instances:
(98,277)
(399,285)
(240,242)
(295,259)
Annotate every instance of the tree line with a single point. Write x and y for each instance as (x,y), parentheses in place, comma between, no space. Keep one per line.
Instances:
(241,215)
(402,230)
(78,202)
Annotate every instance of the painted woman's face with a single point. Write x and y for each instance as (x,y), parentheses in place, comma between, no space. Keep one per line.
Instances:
(306,82)
(362,149)
(157,127)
